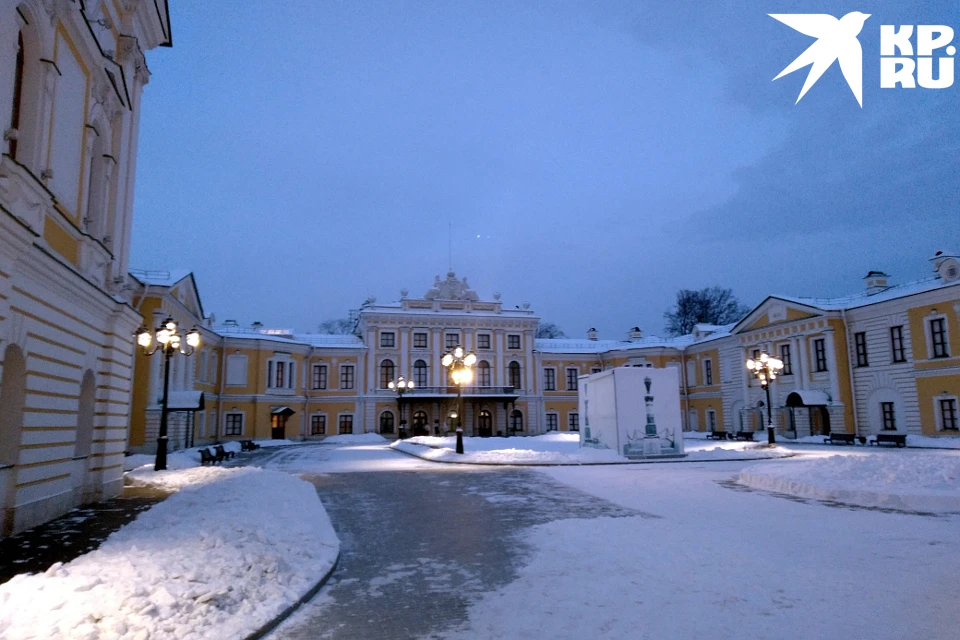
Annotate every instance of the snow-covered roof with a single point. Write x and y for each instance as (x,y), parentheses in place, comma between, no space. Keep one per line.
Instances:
(158,278)
(567,345)
(865,298)
(328,340)
(472,311)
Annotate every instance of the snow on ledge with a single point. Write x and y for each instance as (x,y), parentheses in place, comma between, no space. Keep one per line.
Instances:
(223,556)
(911,483)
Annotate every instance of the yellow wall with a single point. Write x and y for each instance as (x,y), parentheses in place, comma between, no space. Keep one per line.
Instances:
(928,390)
(918,329)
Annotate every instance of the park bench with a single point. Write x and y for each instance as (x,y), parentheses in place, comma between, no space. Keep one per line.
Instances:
(744,435)
(899,439)
(248,445)
(223,454)
(206,456)
(718,435)
(840,438)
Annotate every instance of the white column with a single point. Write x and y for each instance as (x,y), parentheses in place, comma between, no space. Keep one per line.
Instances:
(371,384)
(832,365)
(435,367)
(499,362)
(404,364)
(530,373)
(745,377)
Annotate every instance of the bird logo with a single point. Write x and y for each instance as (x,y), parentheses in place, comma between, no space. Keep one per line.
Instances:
(836,40)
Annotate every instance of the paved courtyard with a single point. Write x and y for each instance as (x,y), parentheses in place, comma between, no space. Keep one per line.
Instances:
(653,551)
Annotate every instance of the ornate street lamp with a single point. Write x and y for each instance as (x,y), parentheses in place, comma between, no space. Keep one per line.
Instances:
(460,364)
(401,386)
(765,369)
(167,339)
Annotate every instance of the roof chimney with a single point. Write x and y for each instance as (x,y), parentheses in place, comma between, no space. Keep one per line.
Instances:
(592,334)
(256,326)
(634,334)
(877,281)
(947,265)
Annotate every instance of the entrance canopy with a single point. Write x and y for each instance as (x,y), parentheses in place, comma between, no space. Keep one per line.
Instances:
(185,401)
(283,411)
(807,398)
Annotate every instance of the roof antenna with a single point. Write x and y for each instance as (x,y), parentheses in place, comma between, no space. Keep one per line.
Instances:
(450,245)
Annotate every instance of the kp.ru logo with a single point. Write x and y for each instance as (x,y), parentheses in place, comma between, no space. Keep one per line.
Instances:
(902,63)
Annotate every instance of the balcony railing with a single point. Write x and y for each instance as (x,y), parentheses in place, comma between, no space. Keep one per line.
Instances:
(467,391)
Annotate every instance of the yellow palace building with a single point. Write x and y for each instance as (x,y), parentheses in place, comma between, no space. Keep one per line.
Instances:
(71,79)
(884,359)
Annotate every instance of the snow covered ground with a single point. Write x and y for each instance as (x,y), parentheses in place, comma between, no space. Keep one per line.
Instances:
(563,449)
(222,556)
(913,441)
(186,458)
(913,482)
(703,559)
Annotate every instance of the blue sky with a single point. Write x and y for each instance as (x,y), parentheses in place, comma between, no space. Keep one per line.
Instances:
(592,157)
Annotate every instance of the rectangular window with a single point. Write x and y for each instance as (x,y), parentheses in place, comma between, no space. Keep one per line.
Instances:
(860,339)
(420,340)
(483,375)
(553,423)
(820,354)
(318,425)
(452,340)
(549,379)
(388,340)
(234,424)
(708,372)
(938,338)
(573,421)
(889,417)
(346,424)
(572,375)
(896,344)
(346,376)
(483,341)
(513,341)
(596,369)
(948,414)
(319,376)
(785,358)
(756,354)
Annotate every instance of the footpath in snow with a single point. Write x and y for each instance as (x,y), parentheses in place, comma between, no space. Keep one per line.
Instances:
(913,483)
(226,554)
(564,449)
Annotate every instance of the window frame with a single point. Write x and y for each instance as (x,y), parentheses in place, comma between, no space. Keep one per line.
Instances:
(348,377)
(552,417)
(888,416)
(417,371)
(786,357)
(227,431)
(573,384)
(319,377)
(938,328)
(514,366)
(712,419)
(514,339)
(820,355)
(484,374)
(484,341)
(393,421)
(417,335)
(388,339)
(860,346)
(344,418)
(942,403)
(313,420)
(549,378)
(708,372)
(898,352)
(281,373)
(573,421)
(387,372)
(18,79)
(449,344)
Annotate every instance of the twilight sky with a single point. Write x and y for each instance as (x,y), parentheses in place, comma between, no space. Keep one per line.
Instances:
(592,157)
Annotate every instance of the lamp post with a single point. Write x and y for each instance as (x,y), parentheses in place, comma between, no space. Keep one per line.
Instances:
(765,369)
(166,339)
(458,362)
(401,386)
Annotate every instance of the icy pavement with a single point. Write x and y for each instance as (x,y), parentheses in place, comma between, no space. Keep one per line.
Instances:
(658,552)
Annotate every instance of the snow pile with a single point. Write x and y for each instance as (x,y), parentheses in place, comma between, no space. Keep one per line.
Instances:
(735,451)
(222,557)
(916,483)
(928,442)
(355,438)
(550,448)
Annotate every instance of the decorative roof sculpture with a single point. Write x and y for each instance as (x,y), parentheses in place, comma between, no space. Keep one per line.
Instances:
(451,289)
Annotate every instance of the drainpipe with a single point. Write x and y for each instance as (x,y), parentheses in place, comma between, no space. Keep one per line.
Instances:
(853,393)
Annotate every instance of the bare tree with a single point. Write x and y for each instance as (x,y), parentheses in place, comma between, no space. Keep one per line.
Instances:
(549,330)
(713,305)
(340,326)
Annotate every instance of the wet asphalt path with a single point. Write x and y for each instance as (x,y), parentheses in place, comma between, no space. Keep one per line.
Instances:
(418,546)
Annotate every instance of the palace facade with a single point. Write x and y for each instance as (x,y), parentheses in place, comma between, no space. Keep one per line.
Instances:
(886,358)
(71,79)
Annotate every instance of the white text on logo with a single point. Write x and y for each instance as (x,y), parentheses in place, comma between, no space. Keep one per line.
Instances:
(899,65)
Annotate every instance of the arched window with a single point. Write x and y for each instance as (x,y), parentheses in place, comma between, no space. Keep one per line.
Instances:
(483,374)
(420,420)
(516,420)
(420,373)
(513,375)
(386,422)
(17,94)
(387,371)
